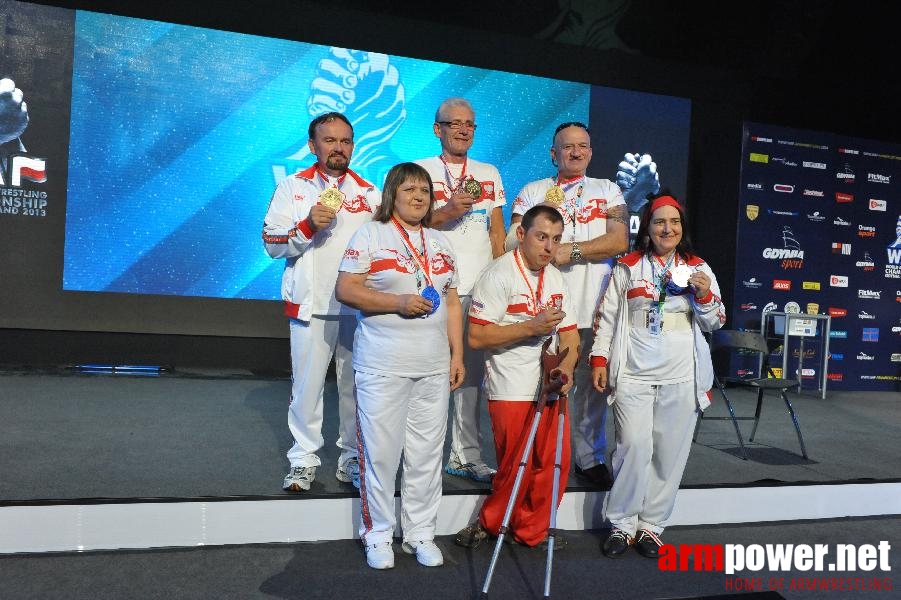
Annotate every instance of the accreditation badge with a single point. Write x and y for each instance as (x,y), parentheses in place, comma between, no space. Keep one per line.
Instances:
(655,321)
(332,198)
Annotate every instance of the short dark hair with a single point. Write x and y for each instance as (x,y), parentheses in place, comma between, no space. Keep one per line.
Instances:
(325,118)
(642,239)
(563,126)
(395,178)
(552,214)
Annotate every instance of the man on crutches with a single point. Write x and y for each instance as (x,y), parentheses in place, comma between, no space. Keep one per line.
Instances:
(519,302)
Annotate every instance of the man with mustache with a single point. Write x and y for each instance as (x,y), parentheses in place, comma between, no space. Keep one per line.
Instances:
(311,218)
(595,230)
(468,209)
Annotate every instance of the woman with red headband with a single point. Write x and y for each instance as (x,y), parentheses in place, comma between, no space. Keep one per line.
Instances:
(649,352)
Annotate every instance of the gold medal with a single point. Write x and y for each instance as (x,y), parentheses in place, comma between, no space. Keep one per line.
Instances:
(555,196)
(473,188)
(332,198)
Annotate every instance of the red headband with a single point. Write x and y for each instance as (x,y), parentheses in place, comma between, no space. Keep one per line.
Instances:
(665,201)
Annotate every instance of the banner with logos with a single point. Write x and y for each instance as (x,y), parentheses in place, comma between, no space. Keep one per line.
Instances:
(819,232)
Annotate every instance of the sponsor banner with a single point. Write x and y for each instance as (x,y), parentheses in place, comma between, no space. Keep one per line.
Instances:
(838,255)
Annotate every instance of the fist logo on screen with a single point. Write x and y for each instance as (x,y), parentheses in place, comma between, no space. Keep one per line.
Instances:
(13,112)
(637,177)
(366,88)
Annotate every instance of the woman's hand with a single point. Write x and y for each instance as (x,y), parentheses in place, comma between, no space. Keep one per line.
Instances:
(599,377)
(457,372)
(701,283)
(412,305)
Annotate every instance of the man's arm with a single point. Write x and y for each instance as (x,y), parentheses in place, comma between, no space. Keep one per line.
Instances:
(457,205)
(491,335)
(496,232)
(612,243)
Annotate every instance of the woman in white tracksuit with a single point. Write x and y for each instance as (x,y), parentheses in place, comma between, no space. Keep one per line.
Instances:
(649,352)
(407,356)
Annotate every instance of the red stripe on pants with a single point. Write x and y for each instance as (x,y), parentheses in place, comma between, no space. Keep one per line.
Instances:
(511,423)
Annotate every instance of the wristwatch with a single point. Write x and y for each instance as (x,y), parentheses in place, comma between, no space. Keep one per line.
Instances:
(576,254)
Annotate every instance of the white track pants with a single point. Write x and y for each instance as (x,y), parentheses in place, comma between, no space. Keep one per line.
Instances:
(466,431)
(588,411)
(313,343)
(400,415)
(654,425)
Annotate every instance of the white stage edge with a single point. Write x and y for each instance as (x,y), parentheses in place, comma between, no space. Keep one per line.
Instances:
(88,527)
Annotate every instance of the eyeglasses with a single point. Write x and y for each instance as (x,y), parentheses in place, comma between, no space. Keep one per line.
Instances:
(455,125)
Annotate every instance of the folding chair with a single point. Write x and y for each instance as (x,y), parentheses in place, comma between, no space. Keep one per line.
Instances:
(727,341)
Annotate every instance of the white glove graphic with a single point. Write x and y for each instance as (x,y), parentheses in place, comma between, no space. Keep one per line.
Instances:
(637,177)
(366,88)
(13,112)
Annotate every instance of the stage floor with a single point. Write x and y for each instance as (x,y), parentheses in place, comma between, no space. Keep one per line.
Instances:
(190,434)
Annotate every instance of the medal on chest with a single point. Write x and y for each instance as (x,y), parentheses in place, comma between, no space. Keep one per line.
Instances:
(331,197)
(473,187)
(555,196)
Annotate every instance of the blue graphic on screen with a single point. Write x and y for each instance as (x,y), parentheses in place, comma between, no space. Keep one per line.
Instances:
(179,135)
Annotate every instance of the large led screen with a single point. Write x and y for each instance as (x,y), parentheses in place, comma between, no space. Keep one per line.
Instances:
(179,135)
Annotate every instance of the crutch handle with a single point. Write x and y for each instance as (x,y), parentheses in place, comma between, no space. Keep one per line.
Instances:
(554,383)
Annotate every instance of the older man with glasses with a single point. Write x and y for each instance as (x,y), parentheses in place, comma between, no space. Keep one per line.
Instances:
(468,209)
(595,219)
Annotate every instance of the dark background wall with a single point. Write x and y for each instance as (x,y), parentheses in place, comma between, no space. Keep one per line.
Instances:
(814,65)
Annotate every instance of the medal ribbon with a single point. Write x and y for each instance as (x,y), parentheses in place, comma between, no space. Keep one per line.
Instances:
(575,202)
(658,281)
(326,182)
(422,260)
(536,296)
(449,178)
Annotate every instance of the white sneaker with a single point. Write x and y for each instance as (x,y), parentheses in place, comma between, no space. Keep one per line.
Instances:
(349,472)
(427,553)
(380,555)
(299,479)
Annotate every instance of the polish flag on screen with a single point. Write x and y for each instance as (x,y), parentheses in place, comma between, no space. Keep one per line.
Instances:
(32,169)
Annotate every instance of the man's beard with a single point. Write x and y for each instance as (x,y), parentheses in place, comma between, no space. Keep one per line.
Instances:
(335,165)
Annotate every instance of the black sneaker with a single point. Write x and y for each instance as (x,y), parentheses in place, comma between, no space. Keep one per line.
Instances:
(471,536)
(648,544)
(597,475)
(616,544)
(559,542)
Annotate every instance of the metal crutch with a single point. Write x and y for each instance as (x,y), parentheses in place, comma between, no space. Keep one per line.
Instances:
(548,386)
(558,467)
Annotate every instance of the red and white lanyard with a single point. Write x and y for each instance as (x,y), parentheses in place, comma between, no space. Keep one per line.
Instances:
(422,259)
(536,296)
(448,178)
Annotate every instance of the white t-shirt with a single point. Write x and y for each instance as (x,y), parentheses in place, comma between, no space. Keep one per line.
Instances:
(502,296)
(468,234)
(584,218)
(387,343)
(312,259)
